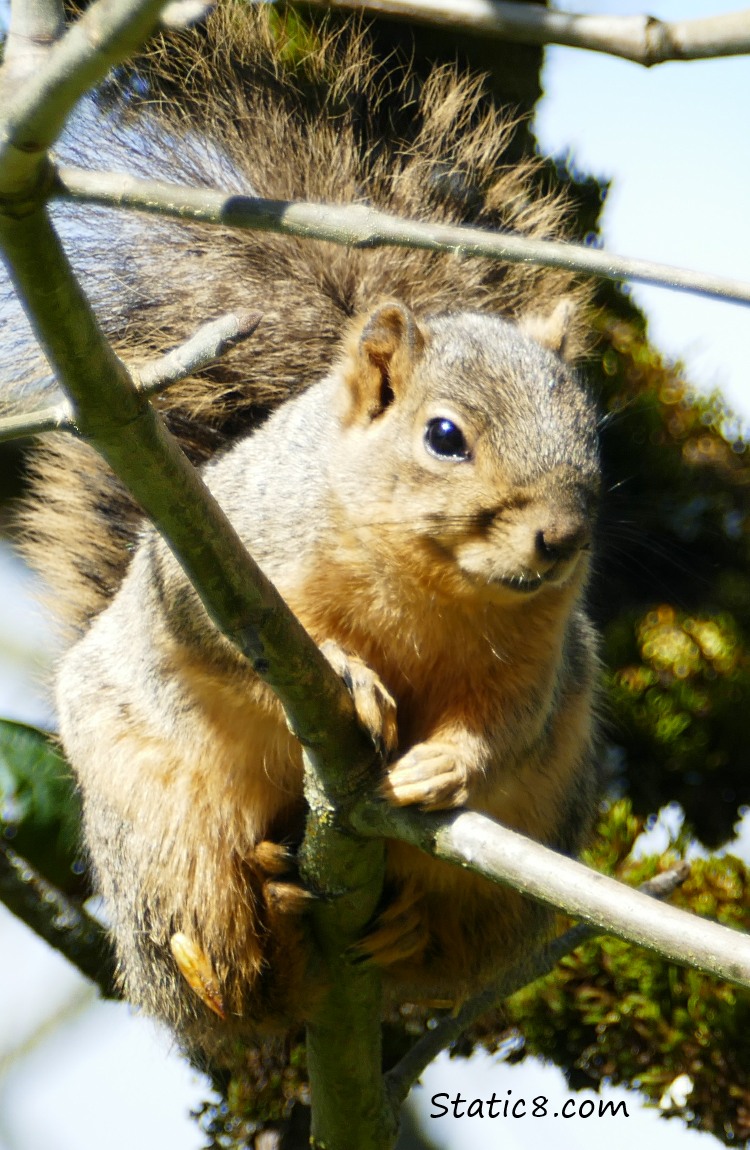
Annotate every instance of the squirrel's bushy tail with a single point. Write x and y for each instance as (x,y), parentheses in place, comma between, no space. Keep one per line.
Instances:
(240,105)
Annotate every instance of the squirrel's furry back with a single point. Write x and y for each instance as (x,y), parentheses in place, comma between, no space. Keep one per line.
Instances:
(236,105)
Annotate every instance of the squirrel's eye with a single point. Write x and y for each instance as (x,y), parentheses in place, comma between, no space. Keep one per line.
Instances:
(445,440)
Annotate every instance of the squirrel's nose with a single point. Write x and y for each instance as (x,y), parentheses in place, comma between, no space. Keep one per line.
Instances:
(562,538)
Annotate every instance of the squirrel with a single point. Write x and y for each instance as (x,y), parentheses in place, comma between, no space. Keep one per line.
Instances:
(405,451)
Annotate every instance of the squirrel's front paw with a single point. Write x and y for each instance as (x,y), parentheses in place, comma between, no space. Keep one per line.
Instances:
(429,775)
(376,709)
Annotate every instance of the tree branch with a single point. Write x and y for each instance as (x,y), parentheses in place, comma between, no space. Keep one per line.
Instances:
(34,27)
(474,841)
(51,915)
(642,39)
(401,1078)
(34,116)
(357,225)
(344,1039)
(247,609)
(109,411)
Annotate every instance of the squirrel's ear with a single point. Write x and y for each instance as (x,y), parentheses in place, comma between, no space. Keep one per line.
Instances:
(552,330)
(380,360)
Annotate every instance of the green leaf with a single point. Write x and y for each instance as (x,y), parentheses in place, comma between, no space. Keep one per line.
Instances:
(40,812)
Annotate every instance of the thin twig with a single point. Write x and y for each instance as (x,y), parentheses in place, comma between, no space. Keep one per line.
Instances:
(54,418)
(357,225)
(51,915)
(662,885)
(211,341)
(80,1000)
(184,13)
(40,22)
(410,1068)
(640,38)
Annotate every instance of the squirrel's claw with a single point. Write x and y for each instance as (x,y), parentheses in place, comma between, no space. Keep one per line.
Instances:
(399,933)
(276,862)
(430,775)
(289,897)
(376,708)
(273,858)
(195,967)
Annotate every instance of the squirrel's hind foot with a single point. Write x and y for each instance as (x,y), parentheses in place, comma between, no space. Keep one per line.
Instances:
(400,932)
(282,891)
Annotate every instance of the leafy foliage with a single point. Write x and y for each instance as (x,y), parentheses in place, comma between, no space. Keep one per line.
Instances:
(39,807)
(673,593)
(611,1012)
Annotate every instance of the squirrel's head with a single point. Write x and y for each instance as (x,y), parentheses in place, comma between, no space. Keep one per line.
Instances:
(468,442)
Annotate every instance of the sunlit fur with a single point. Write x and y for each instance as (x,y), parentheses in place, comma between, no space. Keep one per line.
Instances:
(184,756)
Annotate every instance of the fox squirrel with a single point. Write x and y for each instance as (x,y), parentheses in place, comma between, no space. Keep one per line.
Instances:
(422,493)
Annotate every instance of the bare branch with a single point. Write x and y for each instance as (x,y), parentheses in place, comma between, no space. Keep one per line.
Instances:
(183,13)
(54,418)
(34,21)
(34,26)
(642,39)
(542,961)
(474,841)
(51,915)
(662,885)
(359,226)
(110,412)
(108,32)
(209,343)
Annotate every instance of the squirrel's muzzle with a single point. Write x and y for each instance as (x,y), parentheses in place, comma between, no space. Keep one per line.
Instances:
(535,539)
(562,538)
